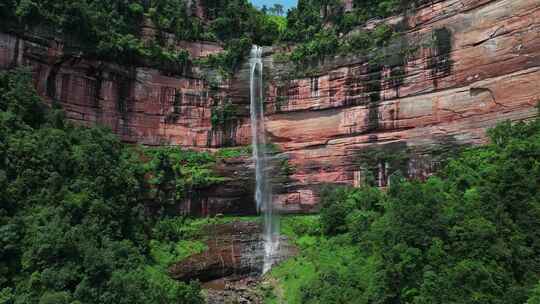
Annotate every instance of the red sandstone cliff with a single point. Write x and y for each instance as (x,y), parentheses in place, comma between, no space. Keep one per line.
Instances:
(141,104)
(327,123)
(144,105)
(343,124)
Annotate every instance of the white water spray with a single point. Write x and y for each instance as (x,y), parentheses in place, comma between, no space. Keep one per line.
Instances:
(263,190)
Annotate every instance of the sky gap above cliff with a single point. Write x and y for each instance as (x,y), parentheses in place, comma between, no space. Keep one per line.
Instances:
(287,4)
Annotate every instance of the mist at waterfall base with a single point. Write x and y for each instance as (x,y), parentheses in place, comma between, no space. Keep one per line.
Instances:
(263,190)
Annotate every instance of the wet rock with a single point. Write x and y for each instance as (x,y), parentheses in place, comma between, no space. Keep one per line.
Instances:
(235,250)
(233,197)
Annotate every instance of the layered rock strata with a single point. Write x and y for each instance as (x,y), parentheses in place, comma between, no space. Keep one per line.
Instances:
(474,63)
(235,250)
(232,197)
(141,104)
(470,65)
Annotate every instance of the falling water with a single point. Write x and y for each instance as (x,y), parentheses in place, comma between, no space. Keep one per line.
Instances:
(263,190)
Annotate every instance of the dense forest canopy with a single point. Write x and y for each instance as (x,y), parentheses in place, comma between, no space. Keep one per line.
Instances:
(85,218)
(469,235)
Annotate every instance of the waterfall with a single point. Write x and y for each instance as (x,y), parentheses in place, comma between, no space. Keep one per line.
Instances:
(263,190)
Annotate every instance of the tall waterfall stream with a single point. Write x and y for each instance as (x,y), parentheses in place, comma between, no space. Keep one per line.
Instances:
(263,190)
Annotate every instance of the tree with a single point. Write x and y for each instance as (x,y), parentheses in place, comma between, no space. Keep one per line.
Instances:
(277,9)
(470,235)
(74,220)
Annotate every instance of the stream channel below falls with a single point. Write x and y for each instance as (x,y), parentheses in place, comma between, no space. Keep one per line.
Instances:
(231,267)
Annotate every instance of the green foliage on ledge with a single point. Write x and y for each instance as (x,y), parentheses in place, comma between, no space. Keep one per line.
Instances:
(174,174)
(321,29)
(224,115)
(108,30)
(238,25)
(112,30)
(329,43)
(172,16)
(224,153)
(226,62)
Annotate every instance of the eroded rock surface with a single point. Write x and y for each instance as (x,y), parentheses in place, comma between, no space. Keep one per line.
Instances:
(235,251)
(244,291)
(141,103)
(232,197)
(346,123)
(483,68)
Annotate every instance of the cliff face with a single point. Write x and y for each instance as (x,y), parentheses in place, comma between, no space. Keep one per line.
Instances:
(147,106)
(233,249)
(474,63)
(141,104)
(355,121)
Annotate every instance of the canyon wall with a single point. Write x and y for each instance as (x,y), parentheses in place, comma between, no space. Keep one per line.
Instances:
(352,120)
(473,63)
(146,105)
(141,104)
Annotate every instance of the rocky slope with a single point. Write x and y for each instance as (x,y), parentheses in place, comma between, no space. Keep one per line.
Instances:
(347,122)
(234,250)
(231,266)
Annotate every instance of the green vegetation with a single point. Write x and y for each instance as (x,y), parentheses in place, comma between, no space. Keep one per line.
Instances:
(173,16)
(111,30)
(321,29)
(395,155)
(175,174)
(224,153)
(238,24)
(85,218)
(224,115)
(470,235)
(108,30)
(176,238)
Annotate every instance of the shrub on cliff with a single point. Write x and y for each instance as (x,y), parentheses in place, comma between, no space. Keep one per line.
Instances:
(322,29)
(535,295)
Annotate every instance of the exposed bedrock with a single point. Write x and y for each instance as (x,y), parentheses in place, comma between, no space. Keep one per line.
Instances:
(235,250)
(140,103)
(473,64)
(354,119)
(235,196)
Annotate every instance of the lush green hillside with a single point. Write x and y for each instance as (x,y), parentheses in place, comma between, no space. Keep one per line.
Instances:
(471,235)
(85,218)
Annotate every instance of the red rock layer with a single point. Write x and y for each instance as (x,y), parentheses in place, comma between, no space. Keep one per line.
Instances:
(141,104)
(492,74)
(324,124)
